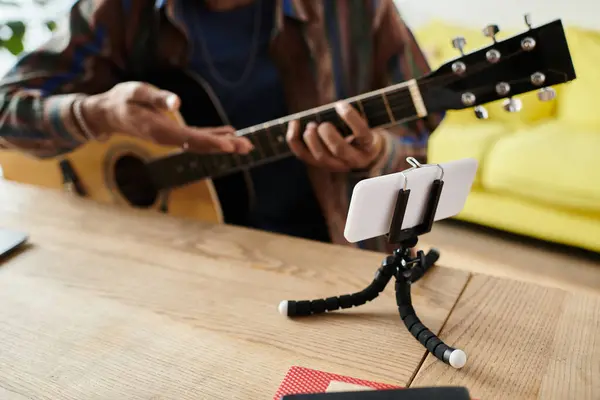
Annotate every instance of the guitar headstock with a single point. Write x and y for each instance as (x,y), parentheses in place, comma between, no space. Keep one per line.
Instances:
(533,60)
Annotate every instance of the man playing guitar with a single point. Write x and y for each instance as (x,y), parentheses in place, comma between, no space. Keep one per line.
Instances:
(258,60)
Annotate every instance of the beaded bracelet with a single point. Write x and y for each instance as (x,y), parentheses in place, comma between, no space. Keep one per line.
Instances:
(82,124)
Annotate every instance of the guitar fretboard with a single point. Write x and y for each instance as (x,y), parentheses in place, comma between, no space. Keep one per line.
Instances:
(382,107)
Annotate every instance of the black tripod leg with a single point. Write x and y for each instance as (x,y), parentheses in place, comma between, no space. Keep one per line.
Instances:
(453,357)
(426,261)
(293,308)
(431,258)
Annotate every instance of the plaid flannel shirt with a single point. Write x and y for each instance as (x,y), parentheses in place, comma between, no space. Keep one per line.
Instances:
(326,50)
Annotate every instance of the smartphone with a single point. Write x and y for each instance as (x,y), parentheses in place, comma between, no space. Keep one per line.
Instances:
(10,241)
(374,199)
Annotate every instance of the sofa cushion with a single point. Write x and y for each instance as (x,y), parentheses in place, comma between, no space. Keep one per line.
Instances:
(435,40)
(577,103)
(545,222)
(554,163)
(452,141)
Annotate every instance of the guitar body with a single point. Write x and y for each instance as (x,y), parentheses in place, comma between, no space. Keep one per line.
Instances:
(99,167)
(113,171)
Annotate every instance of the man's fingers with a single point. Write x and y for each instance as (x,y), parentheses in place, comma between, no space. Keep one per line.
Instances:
(337,145)
(152,126)
(311,138)
(360,129)
(150,96)
(164,131)
(220,138)
(206,143)
(171,101)
(217,139)
(294,140)
(318,149)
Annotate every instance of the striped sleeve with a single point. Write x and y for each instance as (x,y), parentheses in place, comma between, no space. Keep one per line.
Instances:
(37,95)
(401,59)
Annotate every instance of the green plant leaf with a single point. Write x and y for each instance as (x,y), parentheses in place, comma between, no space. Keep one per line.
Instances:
(15,43)
(51,25)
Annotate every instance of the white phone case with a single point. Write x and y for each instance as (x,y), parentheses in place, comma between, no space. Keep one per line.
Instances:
(373,200)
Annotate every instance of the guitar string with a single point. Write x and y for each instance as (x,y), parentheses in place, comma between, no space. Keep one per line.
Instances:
(404,93)
(384,115)
(401,100)
(396,96)
(445,79)
(392,97)
(213,162)
(401,96)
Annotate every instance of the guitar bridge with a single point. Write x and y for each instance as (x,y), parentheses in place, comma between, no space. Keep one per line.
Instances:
(71,181)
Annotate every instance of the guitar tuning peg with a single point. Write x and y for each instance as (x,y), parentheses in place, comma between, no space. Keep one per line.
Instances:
(527,18)
(512,105)
(459,44)
(480,112)
(546,94)
(491,31)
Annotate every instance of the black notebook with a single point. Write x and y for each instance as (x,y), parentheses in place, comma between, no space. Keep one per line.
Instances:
(429,393)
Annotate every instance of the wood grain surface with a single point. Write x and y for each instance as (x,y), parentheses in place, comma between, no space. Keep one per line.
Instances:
(109,303)
(523,342)
(486,251)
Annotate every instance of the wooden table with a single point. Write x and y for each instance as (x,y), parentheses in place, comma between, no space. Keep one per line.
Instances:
(110,303)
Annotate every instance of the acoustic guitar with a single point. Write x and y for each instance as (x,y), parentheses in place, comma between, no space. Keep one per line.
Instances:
(136,173)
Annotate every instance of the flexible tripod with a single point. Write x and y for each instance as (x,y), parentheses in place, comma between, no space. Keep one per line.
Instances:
(406,269)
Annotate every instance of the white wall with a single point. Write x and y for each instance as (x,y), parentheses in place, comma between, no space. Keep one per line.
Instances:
(504,13)
(474,13)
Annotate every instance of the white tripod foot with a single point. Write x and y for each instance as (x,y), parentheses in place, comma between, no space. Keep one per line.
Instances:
(458,358)
(283,308)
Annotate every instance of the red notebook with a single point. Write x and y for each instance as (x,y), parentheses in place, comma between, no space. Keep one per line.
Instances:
(299,380)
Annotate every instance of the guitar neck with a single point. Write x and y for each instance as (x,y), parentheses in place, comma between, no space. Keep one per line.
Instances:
(388,106)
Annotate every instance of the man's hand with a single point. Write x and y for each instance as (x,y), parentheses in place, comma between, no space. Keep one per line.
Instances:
(139,109)
(323,146)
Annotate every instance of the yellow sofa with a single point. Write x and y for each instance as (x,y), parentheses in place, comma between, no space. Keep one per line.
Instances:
(539,169)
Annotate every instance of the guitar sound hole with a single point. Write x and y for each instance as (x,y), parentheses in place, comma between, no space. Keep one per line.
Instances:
(134,182)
